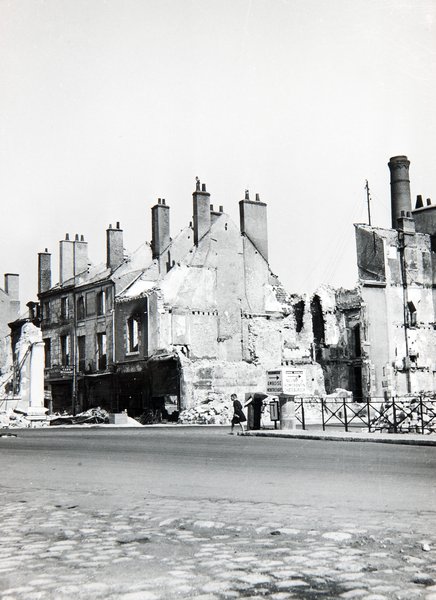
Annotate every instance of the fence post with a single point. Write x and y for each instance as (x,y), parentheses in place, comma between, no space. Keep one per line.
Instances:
(421,414)
(345,415)
(303,422)
(368,414)
(394,413)
(322,414)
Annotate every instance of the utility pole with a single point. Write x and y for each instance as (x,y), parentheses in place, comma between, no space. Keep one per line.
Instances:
(368,200)
(74,340)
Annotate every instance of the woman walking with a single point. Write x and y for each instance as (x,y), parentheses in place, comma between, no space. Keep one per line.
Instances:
(238,414)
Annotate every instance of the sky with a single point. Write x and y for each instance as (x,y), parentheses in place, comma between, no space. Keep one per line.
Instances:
(106,105)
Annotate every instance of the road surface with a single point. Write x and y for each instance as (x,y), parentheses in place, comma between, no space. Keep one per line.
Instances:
(192,512)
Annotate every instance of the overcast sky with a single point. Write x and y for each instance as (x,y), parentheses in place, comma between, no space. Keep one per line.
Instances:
(106,105)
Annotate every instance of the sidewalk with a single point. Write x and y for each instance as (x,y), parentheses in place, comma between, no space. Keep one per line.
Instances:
(412,439)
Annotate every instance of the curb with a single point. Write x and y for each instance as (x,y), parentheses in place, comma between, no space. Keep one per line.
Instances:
(425,441)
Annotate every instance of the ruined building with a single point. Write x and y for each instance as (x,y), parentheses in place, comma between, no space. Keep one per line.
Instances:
(379,340)
(175,321)
(9,311)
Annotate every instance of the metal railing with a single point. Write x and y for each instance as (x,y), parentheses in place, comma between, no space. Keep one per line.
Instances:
(393,415)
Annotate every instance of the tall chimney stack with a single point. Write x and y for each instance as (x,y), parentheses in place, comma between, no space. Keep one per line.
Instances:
(44,271)
(66,259)
(12,285)
(114,247)
(253,223)
(201,208)
(160,228)
(80,254)
(400,187)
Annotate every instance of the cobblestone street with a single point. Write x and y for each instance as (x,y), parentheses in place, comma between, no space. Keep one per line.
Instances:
(209,550)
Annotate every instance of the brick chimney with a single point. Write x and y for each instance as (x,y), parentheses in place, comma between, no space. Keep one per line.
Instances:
(80,254)
(201,207)
(253,223)
(73,257)
(66,259)
(114,247)
(400,188)
(44,271)
(12,285)
(160,227)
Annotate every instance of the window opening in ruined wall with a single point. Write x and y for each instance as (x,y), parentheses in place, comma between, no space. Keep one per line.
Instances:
(90,304)
(132,334)
(80,307)
(101,303)
(412,315)
(299,315)
(65,350)
(46,310)
(101,350)
(357,344)
(64,307)
(318,324)
(47,353)
(81,351)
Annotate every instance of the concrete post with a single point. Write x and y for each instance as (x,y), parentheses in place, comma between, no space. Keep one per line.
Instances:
(36,411)
(287,412)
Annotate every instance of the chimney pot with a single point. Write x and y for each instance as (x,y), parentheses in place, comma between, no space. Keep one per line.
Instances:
(221,209)
(428,201)
(77,237)
(118,224)
(211,208)
(203,187)
(257,198)
(403,213)
(163,201)
(82,238)
(46,250)
(67,236)
(247,195)
(419,203)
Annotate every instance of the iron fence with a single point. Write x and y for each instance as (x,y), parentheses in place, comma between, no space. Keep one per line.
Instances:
(393,415)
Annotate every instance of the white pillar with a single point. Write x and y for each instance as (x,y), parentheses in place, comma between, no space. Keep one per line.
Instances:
(36,410)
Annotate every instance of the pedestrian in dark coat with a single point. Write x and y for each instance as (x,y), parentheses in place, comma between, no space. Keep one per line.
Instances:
(238,414)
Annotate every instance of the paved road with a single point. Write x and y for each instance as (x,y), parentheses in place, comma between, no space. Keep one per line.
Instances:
(197,513)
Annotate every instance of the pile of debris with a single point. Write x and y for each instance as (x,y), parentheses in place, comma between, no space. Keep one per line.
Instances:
(214,410)
(18,419)
(93,415)
(410,415)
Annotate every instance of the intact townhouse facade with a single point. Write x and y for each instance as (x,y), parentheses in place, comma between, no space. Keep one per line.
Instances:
(177,320)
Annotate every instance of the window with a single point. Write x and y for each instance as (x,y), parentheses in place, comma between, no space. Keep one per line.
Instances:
(80,307)
(108,294)
(132,334)
(101,303)
(81,352)
(412,314)
(90,304)
(101,350)
(64,308)
(65,350)
(47,353)
(46,310)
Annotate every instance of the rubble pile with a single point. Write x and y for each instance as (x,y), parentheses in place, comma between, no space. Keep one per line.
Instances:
(214,410)
(407,415)
(18,420)
(93,415)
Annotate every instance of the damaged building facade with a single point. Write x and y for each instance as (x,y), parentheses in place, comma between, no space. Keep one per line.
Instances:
(201,313)
(9,311)
(177,320)
(379,340)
